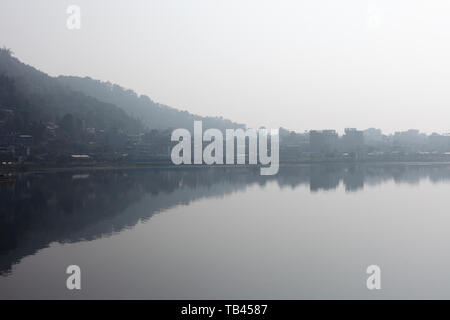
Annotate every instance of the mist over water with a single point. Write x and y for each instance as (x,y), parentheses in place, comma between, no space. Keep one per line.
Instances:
(308,232)
(241,151)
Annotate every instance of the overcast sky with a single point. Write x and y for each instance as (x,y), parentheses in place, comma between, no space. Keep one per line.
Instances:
(298,64)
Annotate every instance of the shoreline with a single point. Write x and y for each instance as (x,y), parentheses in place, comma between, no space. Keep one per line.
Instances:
(33,168)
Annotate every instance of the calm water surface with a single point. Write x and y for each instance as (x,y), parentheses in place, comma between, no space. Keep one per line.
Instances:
(228,233)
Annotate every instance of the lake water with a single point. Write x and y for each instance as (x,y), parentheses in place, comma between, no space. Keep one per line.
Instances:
(228,233)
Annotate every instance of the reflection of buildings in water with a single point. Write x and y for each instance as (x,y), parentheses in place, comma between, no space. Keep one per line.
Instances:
(324,177)
(67,207)
(353,178)
(329,177)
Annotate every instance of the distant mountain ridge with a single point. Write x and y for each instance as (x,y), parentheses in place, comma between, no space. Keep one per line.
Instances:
(154,115)
(35,98)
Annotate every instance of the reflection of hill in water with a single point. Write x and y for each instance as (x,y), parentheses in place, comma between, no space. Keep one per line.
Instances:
(68,207)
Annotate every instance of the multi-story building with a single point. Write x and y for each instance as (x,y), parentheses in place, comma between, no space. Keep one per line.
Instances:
(324,141)
(353,140)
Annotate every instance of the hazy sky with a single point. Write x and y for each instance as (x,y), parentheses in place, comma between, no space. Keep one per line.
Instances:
(298,64)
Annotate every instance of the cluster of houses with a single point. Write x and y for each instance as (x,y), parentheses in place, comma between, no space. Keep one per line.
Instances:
(369,144)
(15,147)
(155,146)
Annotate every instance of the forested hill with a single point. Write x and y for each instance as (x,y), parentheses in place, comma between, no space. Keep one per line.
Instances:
(30,99)
(154,115)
